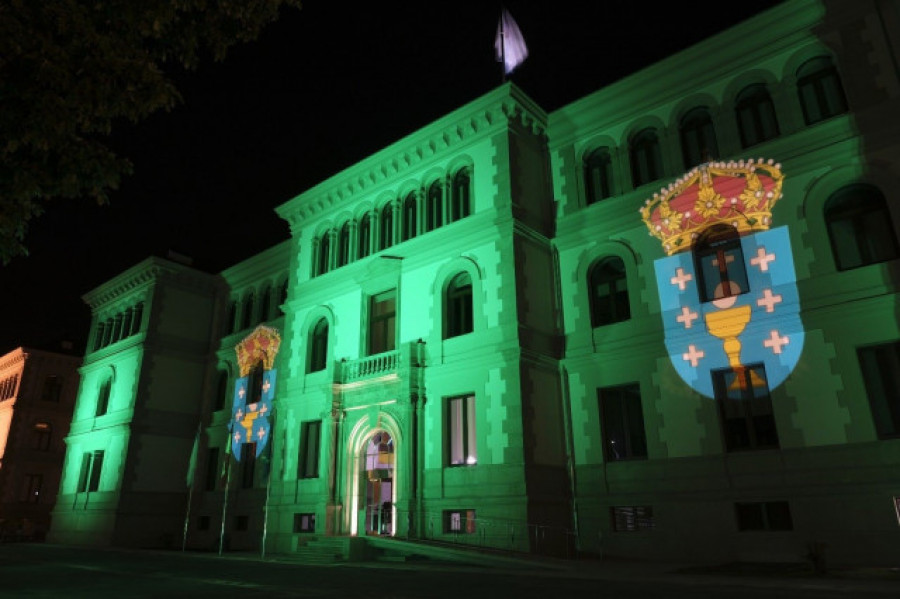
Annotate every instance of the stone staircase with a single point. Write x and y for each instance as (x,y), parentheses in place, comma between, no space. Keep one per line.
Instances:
(323,550)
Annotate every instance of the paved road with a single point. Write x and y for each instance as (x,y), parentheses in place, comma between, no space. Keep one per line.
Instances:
(41,570)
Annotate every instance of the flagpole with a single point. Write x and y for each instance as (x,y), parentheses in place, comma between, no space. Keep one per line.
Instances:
(225,501)
(192,467)
(502,49)
(268,484)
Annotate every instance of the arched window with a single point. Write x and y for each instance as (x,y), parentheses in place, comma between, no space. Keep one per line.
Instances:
(698,137)
(860,227)
(461,204)
(719,263)
(458,302)
(344,245)
(755,115)
(410,214)
(646,158)
(820,90)
(103,397)
(265,308)
(434,207)
(598,175)
(365,236)
(222,391)
(608,292)
(324,256)
(249,309)
(318,346)
(386,223)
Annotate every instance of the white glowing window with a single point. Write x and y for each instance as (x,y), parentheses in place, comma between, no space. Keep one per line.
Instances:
(462,442)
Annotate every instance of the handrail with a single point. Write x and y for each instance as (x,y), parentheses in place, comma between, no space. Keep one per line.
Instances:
(370,366)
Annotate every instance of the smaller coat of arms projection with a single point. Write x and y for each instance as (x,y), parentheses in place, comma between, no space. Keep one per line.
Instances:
(727,287)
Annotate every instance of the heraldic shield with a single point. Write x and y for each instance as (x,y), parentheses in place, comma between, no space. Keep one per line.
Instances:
(757,324)
(250,421)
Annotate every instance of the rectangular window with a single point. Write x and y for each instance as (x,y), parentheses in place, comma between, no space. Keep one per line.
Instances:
(31,488)
(203,523)
(212,468)
(52,388)
(622,420)
(880,366)
(632,518)
(248,465)
(459,521)
(40,436)
(746,408)
(241,522)
(382,322)
(463,446)
(763,515)
(305,523)
(91,466)
(308,462)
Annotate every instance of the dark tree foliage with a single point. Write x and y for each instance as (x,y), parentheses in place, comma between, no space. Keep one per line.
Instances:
(71,69)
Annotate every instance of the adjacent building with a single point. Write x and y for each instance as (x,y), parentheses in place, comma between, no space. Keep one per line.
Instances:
(661,320)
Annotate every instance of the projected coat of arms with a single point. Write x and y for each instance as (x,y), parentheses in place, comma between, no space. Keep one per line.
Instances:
(254,390)
(727,287)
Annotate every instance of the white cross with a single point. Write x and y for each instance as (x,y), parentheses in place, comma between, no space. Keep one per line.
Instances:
(239,414)
(681,278)
(769,300)
(775,342)
(728,260)
(261,433)
(687,317)
(237,437)
(693,355)
(263,409)
(242,392)
(762,259)
(266,386)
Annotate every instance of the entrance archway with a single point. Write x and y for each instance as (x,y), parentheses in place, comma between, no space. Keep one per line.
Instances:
(378,472)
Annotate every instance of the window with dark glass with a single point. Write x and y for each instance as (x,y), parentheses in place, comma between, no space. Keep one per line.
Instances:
(382,322)
(860,227)
(324,255)
(461,204)
(241,522)
(763,515)
(103,398)
(745,407)
(719,263)
(386,235)
(459,306)
(434,206)
(365,236)
(31,488)
(91,467)
(646,157)
(820,90)
(222,391)
(459,521)
(283,295)
(755,114)
(632,518)
(308,461)
(318,346)
(41,435)
(265,304)
(698,137)
(137,320)
(880,368)
(231,323)
(248,465)
(249,309)
(462,443)
(622,422)
(52,388)
(255,383)
(608,292)
(212,468)
(410,215)
(344,245)
(598,175)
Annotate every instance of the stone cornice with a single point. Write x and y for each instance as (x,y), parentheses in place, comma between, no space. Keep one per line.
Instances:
(500,108)
(12,360)
(269,265)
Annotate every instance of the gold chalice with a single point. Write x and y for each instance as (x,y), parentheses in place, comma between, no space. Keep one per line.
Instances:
(726,324)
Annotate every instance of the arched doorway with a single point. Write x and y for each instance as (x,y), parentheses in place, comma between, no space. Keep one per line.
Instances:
(378,478)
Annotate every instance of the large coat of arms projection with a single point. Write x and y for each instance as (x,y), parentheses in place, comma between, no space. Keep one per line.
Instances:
(727,287)
(254,390)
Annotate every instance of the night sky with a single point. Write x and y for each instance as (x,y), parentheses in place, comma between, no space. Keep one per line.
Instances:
(321,89)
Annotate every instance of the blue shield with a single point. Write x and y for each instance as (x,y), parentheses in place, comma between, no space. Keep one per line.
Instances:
(761,326)
(250,421)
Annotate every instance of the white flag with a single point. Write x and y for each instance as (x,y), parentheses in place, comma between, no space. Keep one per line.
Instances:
(509,43)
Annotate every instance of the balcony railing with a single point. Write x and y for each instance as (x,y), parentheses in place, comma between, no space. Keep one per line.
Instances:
(370,367)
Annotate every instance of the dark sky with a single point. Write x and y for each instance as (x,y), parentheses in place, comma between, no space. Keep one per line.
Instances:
(321,89)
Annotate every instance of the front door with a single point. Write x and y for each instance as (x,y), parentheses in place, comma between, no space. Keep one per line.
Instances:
(379,481)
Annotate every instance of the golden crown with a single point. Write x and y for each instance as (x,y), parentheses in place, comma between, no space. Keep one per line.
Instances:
(736,193)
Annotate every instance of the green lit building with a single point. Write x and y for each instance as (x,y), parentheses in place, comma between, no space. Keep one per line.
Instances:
(480,342)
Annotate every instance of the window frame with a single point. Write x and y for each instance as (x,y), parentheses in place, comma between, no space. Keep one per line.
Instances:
(308,460)
(882,394)
(755,102)
(383,323)
(754,424)
(645,156)
(856,205)
(462,431)
(814,75)
(317,345)
(697,133)
(620,431)
(723,242)
(459,306)
(616,300)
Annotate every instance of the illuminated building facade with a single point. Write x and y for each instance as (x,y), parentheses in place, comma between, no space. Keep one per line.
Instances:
(37,395)
(480,342)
